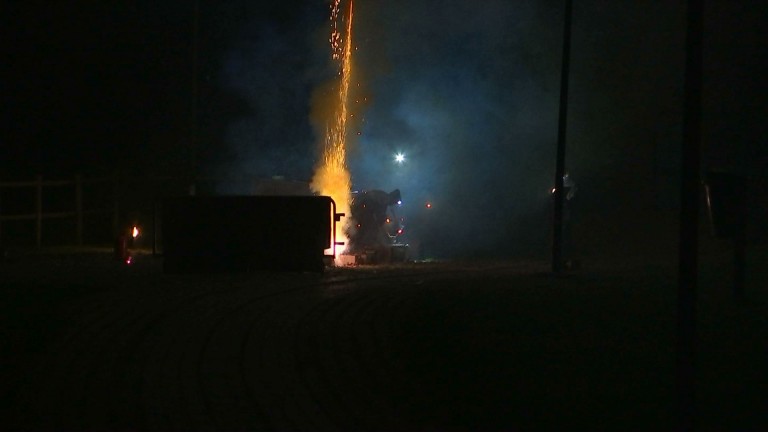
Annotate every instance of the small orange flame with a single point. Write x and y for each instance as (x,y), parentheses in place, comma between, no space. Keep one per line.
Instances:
(135,232)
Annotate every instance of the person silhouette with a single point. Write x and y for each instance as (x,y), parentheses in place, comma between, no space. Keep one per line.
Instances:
(569,189)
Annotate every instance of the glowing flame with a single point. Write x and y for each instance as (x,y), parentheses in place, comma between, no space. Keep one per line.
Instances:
(135,232)
(332,177)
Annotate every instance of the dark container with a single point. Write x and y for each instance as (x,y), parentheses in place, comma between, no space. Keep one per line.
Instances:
(245,233)
(121,248)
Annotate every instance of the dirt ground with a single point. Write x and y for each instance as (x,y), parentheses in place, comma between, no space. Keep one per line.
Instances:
(90,343)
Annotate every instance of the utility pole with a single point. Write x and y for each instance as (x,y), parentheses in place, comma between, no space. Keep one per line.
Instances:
(195,115)
(689,219)
(557,232)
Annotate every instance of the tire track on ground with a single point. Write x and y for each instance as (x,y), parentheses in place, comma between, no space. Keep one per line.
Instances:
(147,356)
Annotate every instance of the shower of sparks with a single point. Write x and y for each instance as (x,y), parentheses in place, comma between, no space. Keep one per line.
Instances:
(332,177)
(335,39)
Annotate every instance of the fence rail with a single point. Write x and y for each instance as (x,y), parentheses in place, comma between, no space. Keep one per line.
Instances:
(39,215)
(122,196)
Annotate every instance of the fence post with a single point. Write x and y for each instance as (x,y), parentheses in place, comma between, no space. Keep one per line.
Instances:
(154,227)
(1,219)
(116,205)
(39,211)
(79,208)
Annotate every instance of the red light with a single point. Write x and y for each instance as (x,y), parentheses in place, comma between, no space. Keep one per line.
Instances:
(388,220)
(400,231)
(429,205)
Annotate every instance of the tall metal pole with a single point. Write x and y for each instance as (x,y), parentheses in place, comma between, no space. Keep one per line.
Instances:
(689,220)
(195,116)
(557,232)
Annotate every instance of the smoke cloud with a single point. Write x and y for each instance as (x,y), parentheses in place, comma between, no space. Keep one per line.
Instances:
(466,95)
(468,92)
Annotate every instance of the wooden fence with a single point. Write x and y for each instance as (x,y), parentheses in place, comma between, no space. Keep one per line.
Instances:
(76,213)
(80,202)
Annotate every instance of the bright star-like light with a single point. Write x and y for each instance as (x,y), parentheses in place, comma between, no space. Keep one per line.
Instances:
(399,158)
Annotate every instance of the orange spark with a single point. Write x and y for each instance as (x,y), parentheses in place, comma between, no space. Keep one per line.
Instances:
(332,177)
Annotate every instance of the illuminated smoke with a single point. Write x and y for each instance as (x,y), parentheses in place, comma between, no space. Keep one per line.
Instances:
(331,176)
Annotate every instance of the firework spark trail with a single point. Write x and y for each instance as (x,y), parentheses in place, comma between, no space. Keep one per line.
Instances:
(332,177)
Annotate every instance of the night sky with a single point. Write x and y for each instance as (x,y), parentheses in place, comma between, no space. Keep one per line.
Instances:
(467,90)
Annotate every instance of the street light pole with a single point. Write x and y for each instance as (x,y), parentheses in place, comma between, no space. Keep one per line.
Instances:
(195,114)
(689,219)
(557,237)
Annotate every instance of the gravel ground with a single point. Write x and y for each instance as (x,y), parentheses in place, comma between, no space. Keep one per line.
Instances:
(90,343)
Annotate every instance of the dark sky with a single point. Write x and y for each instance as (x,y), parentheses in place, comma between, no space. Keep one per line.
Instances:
(468,90)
